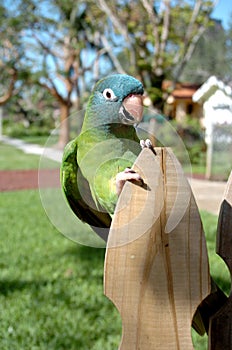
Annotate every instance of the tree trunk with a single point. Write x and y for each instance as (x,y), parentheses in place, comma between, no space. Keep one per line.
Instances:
(64,125)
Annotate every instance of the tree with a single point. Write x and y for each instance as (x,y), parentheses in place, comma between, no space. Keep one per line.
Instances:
(33,106)
(9,56)
(67,45)
(53,53)
(228,54)
(58,44)
(156,39)
(209,59)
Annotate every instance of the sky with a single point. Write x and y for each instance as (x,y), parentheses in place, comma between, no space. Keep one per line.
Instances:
(223,11)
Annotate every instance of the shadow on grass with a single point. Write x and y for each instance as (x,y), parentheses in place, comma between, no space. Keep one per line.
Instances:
(10,286)
(86,253)
(41,289)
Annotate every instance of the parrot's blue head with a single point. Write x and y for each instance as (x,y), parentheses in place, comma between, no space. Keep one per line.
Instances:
(116,98)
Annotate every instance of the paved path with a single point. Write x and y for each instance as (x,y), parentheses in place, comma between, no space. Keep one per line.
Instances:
(208,194)
(48,152)
(12,180)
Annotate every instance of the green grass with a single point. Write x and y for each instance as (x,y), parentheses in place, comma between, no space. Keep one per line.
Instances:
(218,268)
(40,140)
(15,159)
(51,289)
(12,158)
(198,169)
(221,164)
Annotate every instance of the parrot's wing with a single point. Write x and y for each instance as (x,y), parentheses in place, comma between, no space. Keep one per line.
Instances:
(77,192)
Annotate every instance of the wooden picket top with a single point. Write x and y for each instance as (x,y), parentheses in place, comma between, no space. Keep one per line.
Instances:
(220,330)
(156,264)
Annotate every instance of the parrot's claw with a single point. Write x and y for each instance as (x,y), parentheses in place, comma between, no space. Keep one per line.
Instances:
(147,144)
(127,175)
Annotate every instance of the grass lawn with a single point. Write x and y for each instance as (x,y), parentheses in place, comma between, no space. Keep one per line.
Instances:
(12,158)
(15,159)
(40,140)
(51,289)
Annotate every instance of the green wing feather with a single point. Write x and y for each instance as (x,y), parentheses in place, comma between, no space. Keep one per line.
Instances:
(71,181)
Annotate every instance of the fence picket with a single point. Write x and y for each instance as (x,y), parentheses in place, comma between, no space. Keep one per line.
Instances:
(156,264)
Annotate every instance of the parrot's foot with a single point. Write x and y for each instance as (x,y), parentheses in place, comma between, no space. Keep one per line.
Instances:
(147,144)
(127,175)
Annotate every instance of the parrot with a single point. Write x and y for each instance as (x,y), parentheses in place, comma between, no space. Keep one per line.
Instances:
(97,163)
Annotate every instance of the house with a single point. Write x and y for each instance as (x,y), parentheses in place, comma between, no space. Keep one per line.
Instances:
(216,100)
(180,103)
(215,97)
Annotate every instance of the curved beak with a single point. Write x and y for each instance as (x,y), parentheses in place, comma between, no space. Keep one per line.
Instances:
(131,111)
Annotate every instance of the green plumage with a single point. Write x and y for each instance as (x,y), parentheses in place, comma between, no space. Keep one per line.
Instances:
(105,147)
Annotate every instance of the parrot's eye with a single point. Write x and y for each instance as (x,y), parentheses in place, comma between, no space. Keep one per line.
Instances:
(109,95)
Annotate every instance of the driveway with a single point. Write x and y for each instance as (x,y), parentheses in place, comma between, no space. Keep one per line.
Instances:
(208,194)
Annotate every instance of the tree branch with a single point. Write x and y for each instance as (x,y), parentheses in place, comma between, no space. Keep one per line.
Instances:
(190,40)
(112,56)
(188,53)
(53,91)
(166,26)
(115,19)
(14,74)
(121,28)
(195,13)
(154,20)
(46,48)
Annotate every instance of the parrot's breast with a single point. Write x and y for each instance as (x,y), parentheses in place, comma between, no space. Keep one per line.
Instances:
(100,161)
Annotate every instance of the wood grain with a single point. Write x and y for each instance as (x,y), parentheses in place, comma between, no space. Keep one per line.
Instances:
(156,265)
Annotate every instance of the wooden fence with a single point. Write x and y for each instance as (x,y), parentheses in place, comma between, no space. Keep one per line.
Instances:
(156,266)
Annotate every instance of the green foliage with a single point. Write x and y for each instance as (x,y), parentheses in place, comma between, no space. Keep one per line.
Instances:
(18,130)
(59,46)
(29,113)
(221,163)
(131,29)
(207,58)
(192,135)
(32,105)
(218,268)
(155,94)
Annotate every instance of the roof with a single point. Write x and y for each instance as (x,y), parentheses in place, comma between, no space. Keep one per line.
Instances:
(209,88)
(184,92)
(181,90)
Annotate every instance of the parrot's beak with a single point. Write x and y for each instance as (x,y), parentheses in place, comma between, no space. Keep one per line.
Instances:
(131,111)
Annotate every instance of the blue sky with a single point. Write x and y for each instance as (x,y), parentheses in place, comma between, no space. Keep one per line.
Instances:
(223,11)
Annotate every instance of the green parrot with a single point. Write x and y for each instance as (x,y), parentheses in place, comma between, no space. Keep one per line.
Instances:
(97,163)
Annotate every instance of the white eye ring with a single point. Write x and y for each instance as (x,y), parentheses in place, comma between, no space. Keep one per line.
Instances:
(109,95)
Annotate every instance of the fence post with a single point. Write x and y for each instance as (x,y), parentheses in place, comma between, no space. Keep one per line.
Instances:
(156,264)
(220,328)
